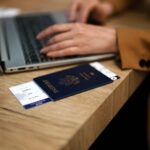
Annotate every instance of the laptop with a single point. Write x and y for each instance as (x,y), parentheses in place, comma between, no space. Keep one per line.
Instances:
(19,50)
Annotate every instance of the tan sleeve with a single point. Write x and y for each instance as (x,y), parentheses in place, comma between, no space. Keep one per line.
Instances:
(134,46)
(120,5)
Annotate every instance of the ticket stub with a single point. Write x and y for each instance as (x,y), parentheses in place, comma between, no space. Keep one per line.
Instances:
(30,94)
(105,71)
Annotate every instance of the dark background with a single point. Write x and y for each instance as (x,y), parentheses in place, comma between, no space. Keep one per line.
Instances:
(128,130)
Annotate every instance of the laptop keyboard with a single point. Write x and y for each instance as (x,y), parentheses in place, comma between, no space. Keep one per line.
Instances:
(29,27)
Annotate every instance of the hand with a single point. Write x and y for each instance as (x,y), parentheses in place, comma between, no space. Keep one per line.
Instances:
(80,10)
(78,39)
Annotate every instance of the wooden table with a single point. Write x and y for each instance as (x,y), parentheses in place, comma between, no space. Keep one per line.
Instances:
(72,123)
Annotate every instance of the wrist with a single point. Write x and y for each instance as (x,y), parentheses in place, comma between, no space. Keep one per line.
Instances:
(114,45)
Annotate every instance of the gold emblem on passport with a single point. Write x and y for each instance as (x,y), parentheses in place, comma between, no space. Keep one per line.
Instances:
(69,80)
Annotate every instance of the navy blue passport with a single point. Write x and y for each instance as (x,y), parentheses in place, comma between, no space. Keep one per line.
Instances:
(71,81)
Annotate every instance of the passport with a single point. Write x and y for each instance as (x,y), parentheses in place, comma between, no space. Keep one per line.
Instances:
(71,81)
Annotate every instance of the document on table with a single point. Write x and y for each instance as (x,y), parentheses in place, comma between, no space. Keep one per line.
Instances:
(30,94)
(61,84)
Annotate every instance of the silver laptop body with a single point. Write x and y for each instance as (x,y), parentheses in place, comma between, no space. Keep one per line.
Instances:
(14,47)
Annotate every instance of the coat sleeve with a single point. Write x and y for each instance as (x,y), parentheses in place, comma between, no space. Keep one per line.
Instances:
(120,5)
(134,48)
